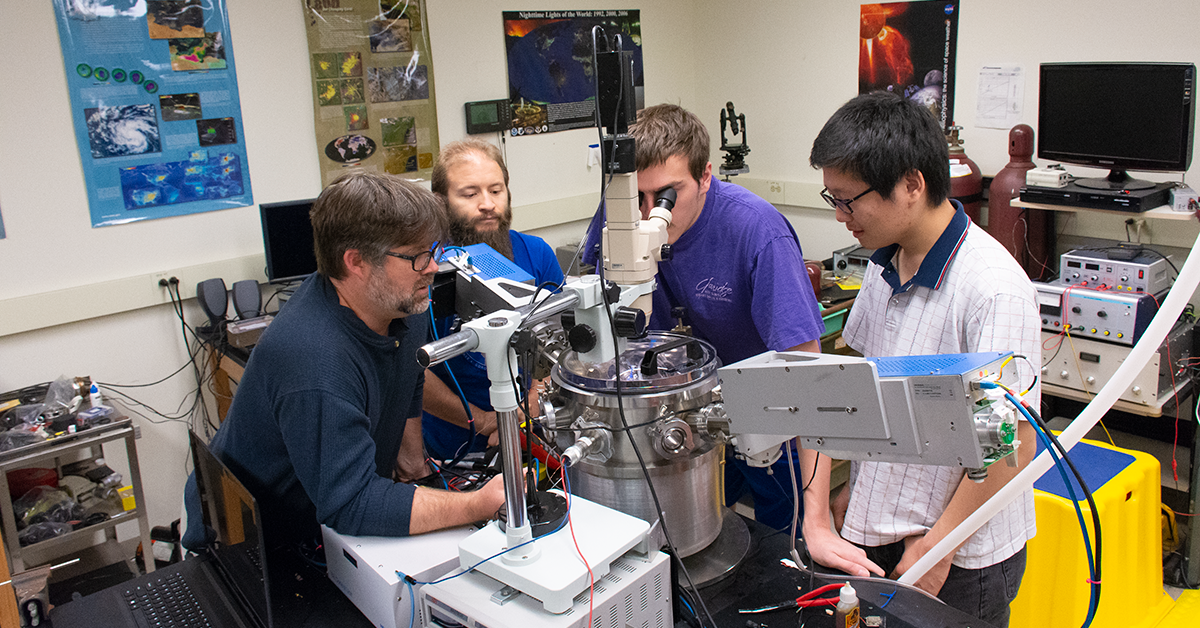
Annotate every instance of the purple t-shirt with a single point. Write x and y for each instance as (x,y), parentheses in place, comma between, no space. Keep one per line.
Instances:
(740,275)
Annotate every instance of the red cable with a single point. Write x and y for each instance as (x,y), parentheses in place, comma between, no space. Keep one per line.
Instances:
(591,577)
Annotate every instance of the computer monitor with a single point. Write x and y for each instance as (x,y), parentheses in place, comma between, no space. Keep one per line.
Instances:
(1120,116)
(288,240)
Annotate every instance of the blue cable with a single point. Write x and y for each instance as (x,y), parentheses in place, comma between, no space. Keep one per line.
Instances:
(454,380)
(1058,464)
(687,606)
(412,602)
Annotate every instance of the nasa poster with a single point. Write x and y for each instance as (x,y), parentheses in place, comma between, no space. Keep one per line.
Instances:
(372,78)
(909,48)
(550,82)
(155,105)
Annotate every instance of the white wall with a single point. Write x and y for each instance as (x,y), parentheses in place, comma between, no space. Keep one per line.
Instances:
(101,283)
(786,64)
(789,65)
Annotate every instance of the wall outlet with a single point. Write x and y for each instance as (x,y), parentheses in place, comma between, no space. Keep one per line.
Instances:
(775,192)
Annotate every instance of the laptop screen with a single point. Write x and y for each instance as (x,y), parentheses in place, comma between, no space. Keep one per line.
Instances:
(231,512)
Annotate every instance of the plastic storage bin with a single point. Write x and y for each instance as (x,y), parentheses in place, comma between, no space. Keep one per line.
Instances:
(1055,592)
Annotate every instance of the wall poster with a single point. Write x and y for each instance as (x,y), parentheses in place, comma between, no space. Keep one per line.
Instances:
(155,104)
(550,82)
(910,48)
(373,94)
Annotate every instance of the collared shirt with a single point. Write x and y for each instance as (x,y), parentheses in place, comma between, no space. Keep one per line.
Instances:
(969,295)
(937,261)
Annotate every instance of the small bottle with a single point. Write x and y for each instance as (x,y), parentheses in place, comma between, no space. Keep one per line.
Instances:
(94,396)
(846,614)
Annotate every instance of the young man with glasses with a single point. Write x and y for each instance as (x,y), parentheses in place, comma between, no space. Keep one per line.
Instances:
(470,176)
(736,270)
(936,284)
(328,411)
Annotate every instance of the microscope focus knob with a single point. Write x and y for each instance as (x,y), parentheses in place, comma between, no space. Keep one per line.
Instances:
(664,252)
(630,322)
(582,338)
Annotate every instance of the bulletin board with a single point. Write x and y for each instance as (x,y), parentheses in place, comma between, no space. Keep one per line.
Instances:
(373,95)
(155,106)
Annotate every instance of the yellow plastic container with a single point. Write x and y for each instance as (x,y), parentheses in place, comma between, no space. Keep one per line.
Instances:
(127,501)
(1055,591)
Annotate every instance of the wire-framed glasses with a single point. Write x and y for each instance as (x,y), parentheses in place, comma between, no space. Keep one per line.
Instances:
(842,203)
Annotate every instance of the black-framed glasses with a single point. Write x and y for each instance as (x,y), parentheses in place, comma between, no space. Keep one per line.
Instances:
(421,260)
(842,203)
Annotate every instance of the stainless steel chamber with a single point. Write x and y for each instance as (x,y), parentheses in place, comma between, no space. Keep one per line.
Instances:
(668,391)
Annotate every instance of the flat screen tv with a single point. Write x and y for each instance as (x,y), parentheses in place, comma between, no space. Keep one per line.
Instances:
(1120,116)
(288,240)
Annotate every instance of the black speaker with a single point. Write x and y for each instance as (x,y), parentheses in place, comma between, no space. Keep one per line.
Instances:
(213,298)
(247,300)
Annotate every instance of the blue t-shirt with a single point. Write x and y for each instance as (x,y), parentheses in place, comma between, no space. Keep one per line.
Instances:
(444,439)
(739,274)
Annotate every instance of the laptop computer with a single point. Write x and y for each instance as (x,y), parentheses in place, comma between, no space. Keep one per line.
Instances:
(239,579)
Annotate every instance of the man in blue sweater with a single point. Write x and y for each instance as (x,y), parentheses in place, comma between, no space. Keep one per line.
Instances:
(472,178)
(328,411)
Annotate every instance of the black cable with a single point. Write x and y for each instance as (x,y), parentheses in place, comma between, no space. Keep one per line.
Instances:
(154,383)
(662,517)
(177,304)
(814,473)
(1096,550)
(1145,249)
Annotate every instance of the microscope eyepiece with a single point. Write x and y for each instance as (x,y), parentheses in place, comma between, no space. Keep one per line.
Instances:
(665,198)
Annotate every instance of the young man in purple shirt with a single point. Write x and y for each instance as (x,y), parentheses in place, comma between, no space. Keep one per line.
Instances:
(736,270)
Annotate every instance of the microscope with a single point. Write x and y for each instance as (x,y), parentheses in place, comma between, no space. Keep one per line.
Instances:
(641,419)
(735,158)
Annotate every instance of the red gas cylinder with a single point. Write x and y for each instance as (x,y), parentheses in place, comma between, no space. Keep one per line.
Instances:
(966,181)
(1027,233)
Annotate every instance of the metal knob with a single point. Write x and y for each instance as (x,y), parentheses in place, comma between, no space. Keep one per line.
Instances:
(1064,375)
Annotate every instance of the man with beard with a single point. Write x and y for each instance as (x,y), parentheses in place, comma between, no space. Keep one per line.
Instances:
(472,178)
(326,414)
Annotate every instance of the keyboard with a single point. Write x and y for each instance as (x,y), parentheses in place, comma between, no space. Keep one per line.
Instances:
(166,602)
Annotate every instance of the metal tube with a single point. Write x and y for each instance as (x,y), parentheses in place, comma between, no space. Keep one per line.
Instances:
(443,349)
(510,463)
(554,305)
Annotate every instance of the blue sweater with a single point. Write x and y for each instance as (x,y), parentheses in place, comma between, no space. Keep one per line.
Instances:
(317,422)
(444,439)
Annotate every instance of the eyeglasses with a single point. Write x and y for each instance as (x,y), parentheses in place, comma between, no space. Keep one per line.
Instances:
(842,203)
(421,260)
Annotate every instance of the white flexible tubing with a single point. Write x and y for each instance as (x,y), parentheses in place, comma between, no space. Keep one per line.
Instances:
(1151,340)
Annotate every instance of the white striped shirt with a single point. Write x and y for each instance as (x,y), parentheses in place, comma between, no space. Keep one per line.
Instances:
(969,295)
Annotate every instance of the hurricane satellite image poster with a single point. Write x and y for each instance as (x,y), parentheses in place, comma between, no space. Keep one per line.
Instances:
(909,48)
(551,86)
(155,105)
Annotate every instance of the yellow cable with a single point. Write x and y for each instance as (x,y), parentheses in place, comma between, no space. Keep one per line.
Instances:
(1082,382)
